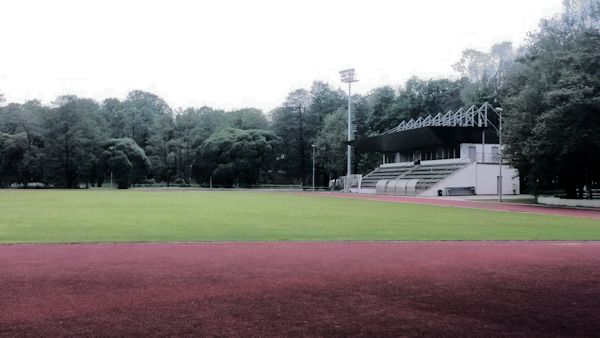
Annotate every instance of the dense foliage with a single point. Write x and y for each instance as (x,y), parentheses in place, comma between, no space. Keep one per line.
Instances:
(77,141)
(231,156)
(124,160)
(552,101)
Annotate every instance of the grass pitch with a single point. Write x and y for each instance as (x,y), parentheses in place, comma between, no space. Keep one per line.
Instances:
(144,216)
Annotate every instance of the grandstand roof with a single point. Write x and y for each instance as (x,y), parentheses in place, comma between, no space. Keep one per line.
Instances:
(423,138)
(451,128)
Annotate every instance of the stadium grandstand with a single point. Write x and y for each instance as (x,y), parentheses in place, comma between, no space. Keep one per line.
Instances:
(456,153)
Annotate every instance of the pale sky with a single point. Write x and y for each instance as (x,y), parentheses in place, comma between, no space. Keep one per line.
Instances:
(233,54)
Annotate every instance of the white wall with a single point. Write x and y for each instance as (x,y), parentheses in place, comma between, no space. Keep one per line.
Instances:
(411,163)
(487,176)
(448,161)
(568,202)
(401,164)
(483,153)
(481,176)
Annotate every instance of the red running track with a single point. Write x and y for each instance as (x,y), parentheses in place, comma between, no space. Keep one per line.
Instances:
(301,289)
(528,208)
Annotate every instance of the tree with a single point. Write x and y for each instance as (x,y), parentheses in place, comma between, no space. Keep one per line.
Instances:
(363,162)
(12,149)
(383,114)
(73,134)
(113,112)
(421,97)
(125,159)
(247,118)
(121,168)
(330,145)
(485,72)
(22,150)
(553,107)
(161,147)
(206,121)
(141,111)
(183,141)
(298,120)
(324,101)
(235,156)
(578,15)
(290,123)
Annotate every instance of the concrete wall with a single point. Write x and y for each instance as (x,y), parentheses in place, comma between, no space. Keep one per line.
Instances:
(486,176)
(409,164)
(569,202)
(481,176)
(401,164)
(448,161)
(483,154)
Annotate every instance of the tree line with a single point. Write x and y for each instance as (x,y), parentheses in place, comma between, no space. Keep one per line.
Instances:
(549,90)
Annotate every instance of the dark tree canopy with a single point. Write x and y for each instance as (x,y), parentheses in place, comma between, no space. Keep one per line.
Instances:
(248,118)
(21,143)
(73,132)
(553,112)
(235,156)
(125,159)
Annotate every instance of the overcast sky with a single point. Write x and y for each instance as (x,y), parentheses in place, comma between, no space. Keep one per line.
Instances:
(232,54)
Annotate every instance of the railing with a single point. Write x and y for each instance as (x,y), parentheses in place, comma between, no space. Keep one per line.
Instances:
(487,158)
(160,185)
(470,117)
(256,186)
(277,186)
(590,193)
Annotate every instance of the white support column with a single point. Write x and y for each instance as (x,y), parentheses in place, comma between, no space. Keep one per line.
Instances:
(348,77)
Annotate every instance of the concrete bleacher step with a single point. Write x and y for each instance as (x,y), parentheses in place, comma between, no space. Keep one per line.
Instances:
(382,173)
(428,174)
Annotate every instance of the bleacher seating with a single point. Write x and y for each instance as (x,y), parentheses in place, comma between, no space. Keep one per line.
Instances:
(595,193)
(431,174)
(383,173)
(427,174)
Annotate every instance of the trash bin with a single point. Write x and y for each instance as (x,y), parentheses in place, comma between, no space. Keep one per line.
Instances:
(439,193)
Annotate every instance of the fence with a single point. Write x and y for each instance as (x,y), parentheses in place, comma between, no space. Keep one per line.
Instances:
(162,185)
(590,193)
(277,186)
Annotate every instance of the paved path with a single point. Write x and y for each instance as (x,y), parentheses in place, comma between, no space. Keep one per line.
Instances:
(529,208)
(301,289)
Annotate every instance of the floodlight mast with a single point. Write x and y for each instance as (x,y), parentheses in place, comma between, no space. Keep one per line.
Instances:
(313,167)
(348,77)
(499,112)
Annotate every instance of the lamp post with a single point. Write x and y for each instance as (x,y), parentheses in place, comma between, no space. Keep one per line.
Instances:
(313,171)
(348,77)
(499,112)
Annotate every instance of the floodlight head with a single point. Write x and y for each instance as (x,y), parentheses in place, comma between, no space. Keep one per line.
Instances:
(348,75)
(498,109)
(312,145)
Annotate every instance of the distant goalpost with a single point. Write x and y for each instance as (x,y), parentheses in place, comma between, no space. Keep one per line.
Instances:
(354,180)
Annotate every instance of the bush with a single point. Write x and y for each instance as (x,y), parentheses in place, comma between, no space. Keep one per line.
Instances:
(35,185)
(149,181)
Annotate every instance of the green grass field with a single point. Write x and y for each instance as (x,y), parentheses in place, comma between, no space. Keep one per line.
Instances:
(121,216)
